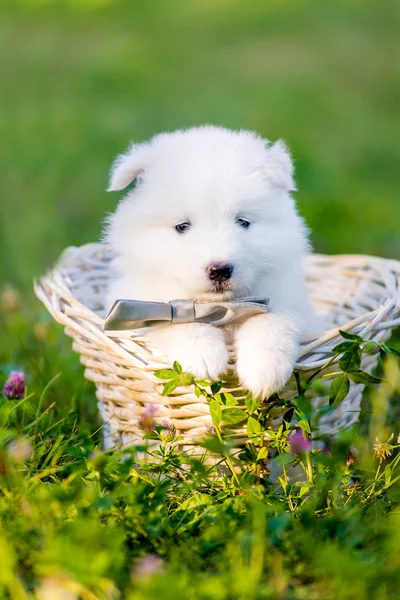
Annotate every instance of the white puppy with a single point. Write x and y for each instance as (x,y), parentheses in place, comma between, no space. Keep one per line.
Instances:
(211,218)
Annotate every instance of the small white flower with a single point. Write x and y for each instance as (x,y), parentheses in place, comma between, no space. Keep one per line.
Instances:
(55,588)
(383,449)
(20,450)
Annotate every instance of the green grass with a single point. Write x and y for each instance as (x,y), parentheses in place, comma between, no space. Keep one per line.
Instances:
(79,523)
(80,79)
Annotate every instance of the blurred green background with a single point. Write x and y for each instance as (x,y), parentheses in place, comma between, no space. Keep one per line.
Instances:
(82,78)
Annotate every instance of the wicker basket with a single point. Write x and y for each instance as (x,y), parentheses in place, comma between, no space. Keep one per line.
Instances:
(359,294)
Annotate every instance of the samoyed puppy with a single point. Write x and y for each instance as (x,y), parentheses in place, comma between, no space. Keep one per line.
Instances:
(211,218)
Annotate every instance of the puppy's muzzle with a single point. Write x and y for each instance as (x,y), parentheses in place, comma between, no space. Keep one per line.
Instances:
(219,272)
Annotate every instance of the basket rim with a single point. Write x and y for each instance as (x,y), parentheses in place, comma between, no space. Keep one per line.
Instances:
(308,344)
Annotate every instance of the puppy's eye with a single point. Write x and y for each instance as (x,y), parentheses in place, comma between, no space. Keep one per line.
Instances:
(182,227)
(244,223)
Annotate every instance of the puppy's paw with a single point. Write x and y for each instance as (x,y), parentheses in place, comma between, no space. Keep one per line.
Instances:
(199,349)
(266,352)
(266,374)
(208,360)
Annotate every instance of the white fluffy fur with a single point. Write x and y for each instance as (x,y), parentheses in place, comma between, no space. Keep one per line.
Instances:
(210,176)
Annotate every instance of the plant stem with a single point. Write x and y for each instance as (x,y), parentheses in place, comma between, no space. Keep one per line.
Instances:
(377,474)
(309,467)
(287,483)
(322,368)
(227,457)
(298,383)
(258,467)
(224,454)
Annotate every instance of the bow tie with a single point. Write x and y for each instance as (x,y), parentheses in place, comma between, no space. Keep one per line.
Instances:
(135,314)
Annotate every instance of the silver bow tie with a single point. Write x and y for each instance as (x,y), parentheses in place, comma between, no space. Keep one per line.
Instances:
(135,314)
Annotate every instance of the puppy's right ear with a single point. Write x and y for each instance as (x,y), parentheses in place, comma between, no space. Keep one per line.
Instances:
(279,166)
(127,167)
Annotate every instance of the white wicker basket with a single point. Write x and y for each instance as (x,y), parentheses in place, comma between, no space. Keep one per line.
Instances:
(359,294)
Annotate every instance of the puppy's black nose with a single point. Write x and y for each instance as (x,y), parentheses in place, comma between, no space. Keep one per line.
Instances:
(219,272)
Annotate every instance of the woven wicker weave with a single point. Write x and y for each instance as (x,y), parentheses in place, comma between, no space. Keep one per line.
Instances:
(359,294)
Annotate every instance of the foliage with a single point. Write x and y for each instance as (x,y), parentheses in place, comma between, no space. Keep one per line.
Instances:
(274,519)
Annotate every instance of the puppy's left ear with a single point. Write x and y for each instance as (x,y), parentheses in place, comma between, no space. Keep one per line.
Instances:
(279,166)
(127,167)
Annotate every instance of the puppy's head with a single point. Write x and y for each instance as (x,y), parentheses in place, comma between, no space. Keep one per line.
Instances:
(210,215)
